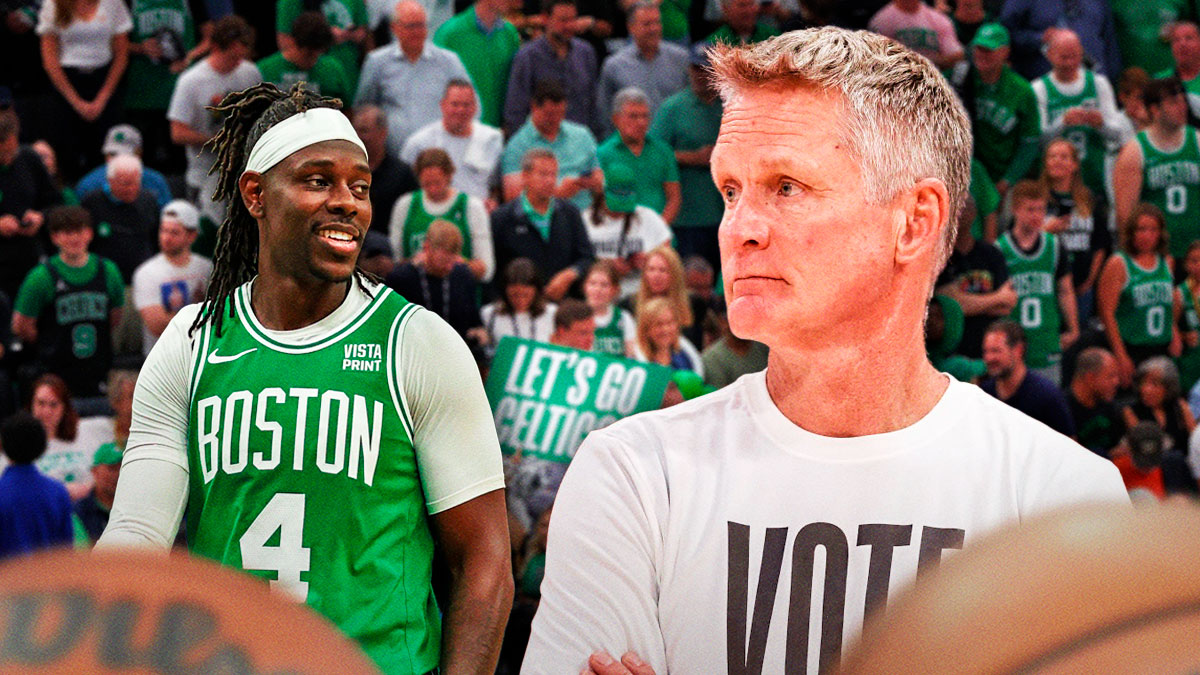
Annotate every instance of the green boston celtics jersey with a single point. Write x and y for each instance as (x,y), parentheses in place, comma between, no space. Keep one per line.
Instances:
(150,83)
(417,222)
(1189,361)
(303,472)
(610,338)
(1171,181)
(1037,311)
(1146,303)
(1088,141)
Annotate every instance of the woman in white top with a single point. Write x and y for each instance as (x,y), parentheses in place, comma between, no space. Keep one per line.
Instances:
(70,441)
(438,200)
(85,48)
(622,231)
(522,311)
(659,339)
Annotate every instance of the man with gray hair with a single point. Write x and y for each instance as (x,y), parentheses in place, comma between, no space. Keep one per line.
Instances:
(657,68)
(648,158)
(474,146)
(690,535)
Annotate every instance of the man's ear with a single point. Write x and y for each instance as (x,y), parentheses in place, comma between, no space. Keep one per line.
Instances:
(923,215)
(250,186)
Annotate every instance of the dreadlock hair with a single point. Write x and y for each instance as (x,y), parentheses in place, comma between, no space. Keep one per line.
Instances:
(248,115)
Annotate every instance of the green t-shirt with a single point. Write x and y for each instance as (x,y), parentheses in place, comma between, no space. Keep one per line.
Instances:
(326,77)
(342,14)
(1139,25)
(303,472)
(987,197)
(686,123)
(37,290)
(610,337)
(725,35)
(486,56)
(148,84)
(1189,361)
(1034,276)
(1146,303)
(655,166)
(674,19)
(1171,181)
(1007,132)
(540,220)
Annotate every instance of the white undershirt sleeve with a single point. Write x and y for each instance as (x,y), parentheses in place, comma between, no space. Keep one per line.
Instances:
(152,489)
(481,237)
(458,455)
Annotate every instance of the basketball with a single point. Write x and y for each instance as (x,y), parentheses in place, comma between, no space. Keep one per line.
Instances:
(70,612)
(1088,590)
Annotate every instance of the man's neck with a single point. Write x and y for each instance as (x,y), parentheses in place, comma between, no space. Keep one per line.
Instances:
(222,63)
(648,51)
(1085,396)
(1165,137)
(75,260)
(539,204)
(550,133)
(1025,236)
(1069,76)
(464,132)
(559,45)
(1008,385)
(991,77)
(180,258)
(635,145)
(1188,71)
(283,303)
(412,56)
(907,6)
(828,390)
(736,344)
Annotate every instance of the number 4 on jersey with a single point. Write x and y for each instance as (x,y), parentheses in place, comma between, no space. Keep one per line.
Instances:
(285,514)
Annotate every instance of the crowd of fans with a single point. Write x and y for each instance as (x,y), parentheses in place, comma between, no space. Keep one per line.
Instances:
(541,171)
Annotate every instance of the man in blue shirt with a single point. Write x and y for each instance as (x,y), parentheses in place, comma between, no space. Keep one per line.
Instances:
(124,139)
(1011,381)
(557,56)
(35,511)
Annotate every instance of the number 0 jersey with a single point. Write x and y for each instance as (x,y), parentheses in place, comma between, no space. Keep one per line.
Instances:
(1171,181)
(303,472)
(1034,277)
(1146,304)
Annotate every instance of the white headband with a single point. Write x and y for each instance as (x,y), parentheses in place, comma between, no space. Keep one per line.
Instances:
(300,131)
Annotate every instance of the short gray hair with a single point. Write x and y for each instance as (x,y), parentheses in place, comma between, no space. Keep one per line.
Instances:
(629,95)
(901,119)
(534,154)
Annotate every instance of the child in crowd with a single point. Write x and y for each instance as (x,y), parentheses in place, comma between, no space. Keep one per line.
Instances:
(1041,274)
(659,339)
(522,311)
(35,510)
(616,331)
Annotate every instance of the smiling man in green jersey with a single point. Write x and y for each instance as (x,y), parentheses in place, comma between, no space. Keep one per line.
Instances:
(321,432)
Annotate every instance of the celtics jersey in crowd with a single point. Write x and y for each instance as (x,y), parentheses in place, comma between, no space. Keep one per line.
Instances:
(418,220)
(1189,362)
(1088,141)
(1006,126)
(1171,181)
(1145,306)
(303,472)
(1033,275)
(611,335)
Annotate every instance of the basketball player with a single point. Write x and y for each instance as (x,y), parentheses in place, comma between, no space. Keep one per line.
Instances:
(753,529)
(320,431)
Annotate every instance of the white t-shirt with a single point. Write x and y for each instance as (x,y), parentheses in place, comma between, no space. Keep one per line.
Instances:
(454,435)
(521,324)
(663,519)
(86,44)
(478,225)
(158,282)
(70,462)
(476,157)
(647,231)
(198,87)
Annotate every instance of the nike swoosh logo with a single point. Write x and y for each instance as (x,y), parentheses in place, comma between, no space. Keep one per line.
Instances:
(214,358)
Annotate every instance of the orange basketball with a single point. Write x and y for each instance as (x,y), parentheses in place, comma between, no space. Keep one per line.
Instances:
(1087,590)
(71,612)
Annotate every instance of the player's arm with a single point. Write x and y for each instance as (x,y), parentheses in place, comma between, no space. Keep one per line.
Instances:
(1127,180)
(458,457)
(153,486)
